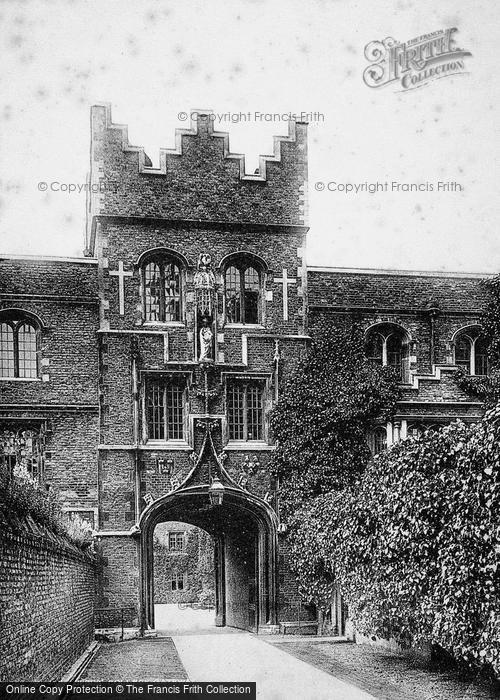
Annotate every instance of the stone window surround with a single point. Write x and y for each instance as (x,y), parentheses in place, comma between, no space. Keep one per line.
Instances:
(406,342)
(241,260)
(15,318)
(472,333)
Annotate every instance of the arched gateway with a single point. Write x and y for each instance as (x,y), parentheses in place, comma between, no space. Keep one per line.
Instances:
(244,529)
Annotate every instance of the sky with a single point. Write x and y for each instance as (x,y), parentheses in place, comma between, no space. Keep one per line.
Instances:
(153,60)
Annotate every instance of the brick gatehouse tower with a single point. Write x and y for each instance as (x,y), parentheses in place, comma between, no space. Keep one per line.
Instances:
(202,304)
(138,380)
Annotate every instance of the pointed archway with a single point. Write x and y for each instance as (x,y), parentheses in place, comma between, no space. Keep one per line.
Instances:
(244,529)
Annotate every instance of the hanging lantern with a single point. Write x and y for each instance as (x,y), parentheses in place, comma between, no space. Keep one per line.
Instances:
(216,492)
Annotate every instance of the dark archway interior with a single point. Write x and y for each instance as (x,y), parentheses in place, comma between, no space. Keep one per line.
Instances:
(244,544)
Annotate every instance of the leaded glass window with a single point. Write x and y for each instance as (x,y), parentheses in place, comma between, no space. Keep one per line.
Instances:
(7,365)
(176,541)
(243,293)
(374,348)
(480,356)
(471,351)
(165,409)
(162,291)
(387,345)
(233,295)
(178,581)
(251,291)
(463,347)
(27,350)
(245,412)
(379,440)
(19,341)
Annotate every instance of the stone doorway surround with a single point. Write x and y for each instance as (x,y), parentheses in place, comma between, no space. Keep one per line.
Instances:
(244,528)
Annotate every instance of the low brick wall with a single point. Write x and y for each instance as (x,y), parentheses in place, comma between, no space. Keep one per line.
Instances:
(47,593)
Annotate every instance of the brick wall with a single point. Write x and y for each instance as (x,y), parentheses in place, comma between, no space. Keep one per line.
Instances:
(62,295)
(201,181)
(416,323)
(72,279)
(68,354)
(382,290)
(47,594)
(119,584)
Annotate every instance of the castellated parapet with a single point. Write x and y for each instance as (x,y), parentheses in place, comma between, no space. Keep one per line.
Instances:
(199,179)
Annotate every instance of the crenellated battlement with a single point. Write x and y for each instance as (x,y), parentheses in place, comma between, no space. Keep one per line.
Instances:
(197,180)
(203,124)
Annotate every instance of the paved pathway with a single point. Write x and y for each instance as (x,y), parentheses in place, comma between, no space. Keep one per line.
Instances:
(190,647)
(217,654)
(243,657)
(170,619)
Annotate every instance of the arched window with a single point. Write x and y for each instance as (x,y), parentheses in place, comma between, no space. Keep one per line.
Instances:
(19,343)
(387,345)
(480,356)
(374,348)
(162,285)
(378,440)
(233,295)
(471,351)
(243,284)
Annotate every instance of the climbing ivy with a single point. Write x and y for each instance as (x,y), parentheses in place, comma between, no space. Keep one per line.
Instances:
(329,400)
(415,544)
(491,320)
(487,388)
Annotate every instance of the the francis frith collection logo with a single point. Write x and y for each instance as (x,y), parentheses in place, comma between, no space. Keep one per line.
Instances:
(414,63)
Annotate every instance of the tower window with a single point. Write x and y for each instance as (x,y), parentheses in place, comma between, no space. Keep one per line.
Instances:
(19,343)
(165,409)
(387,345)
(245,413)
(471,351)
(162,290)
(243,282)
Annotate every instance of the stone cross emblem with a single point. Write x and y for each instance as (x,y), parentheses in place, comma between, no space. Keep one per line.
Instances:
(121,274)
(285,281)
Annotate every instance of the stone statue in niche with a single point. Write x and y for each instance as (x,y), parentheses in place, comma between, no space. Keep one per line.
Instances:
(204,277)
(204,282)
(206,341)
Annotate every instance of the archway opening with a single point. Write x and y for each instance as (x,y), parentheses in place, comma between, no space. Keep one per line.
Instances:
(184,577)
(243,532)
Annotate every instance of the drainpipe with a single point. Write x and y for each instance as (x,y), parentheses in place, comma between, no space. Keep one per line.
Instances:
(276,360)
(135,427)
(432,309)
(137,477)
